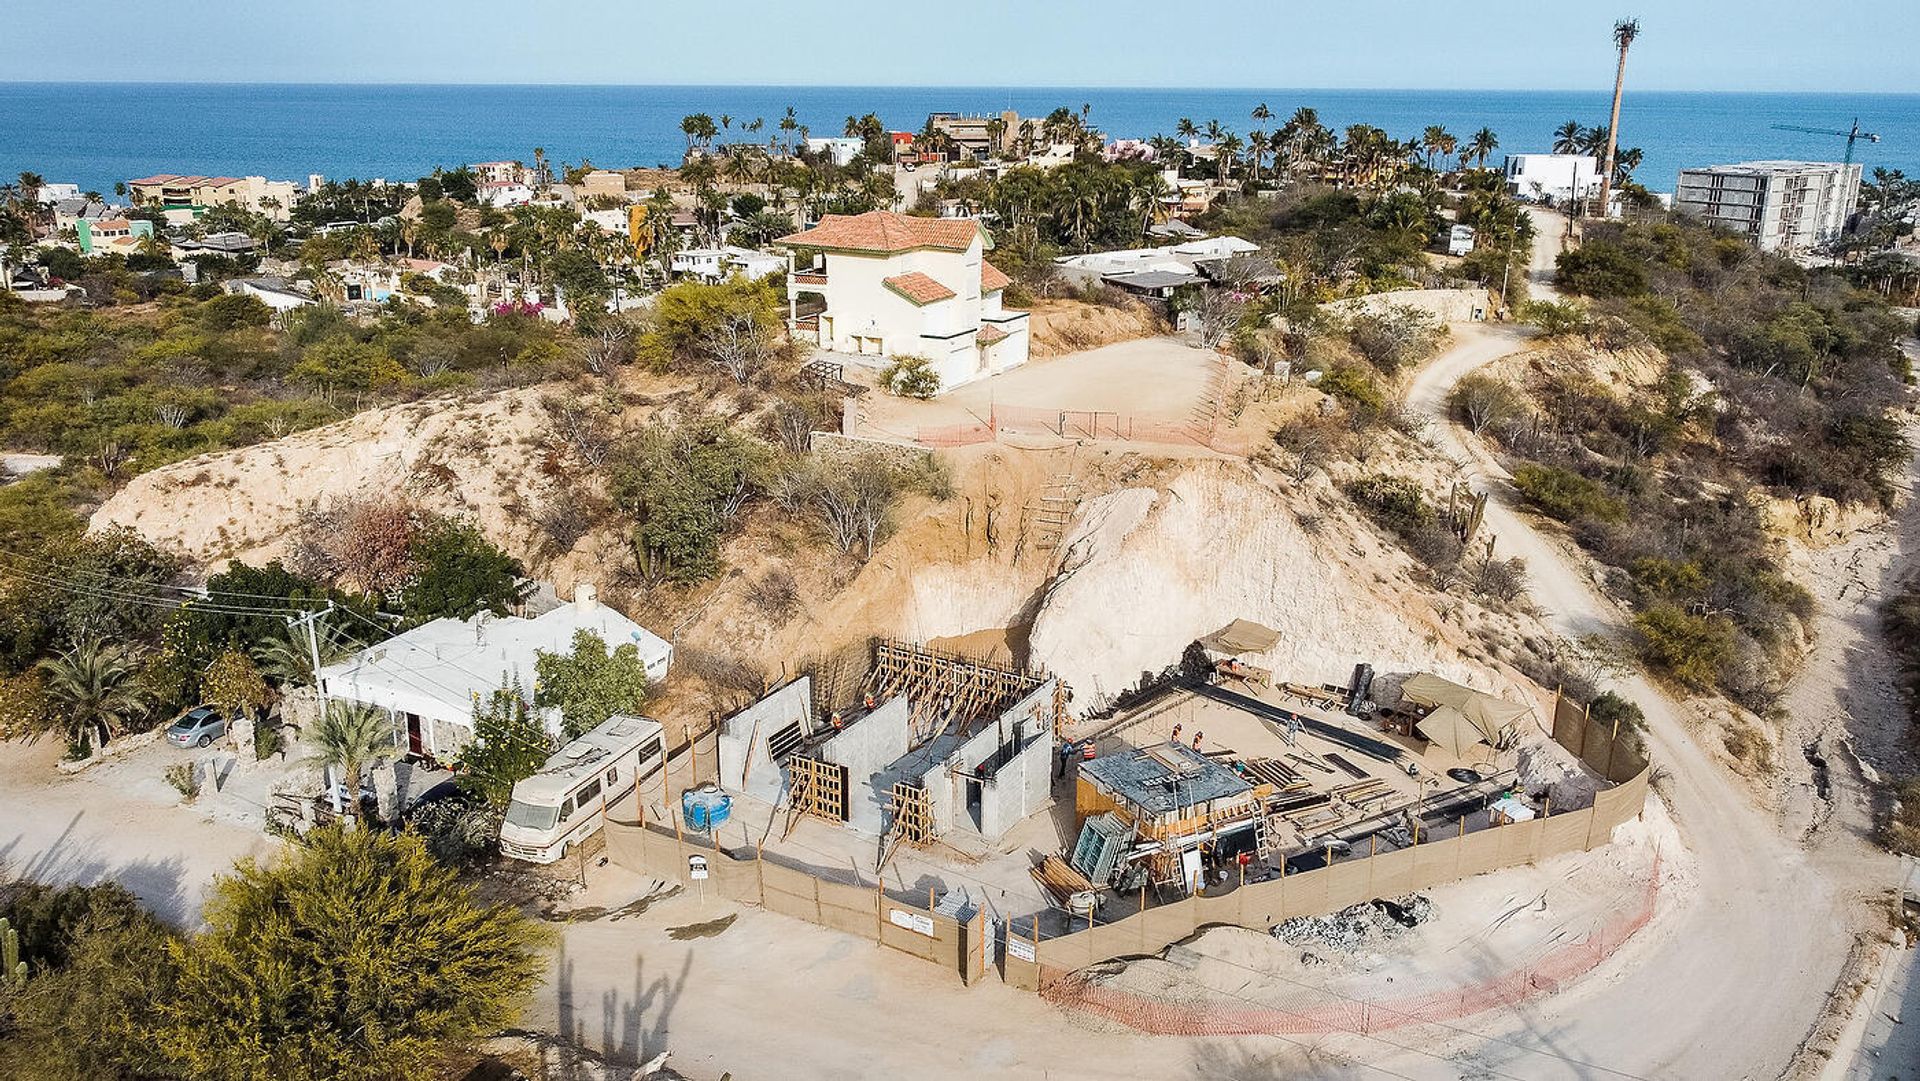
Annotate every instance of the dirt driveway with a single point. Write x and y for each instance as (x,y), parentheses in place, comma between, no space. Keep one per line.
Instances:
(1154,380)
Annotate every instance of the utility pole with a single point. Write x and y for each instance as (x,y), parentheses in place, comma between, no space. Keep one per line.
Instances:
(310,620)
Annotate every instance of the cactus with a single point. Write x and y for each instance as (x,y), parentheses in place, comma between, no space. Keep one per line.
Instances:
(12,969)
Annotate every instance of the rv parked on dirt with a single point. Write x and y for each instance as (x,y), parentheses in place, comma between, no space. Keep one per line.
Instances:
(567,801)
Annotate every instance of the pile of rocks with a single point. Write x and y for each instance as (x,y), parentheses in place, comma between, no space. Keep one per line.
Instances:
(1353,927)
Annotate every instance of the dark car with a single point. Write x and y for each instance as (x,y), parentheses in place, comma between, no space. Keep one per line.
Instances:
(197,727)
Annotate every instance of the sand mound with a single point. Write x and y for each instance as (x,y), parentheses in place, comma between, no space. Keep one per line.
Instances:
(1147,570)
(1057,326)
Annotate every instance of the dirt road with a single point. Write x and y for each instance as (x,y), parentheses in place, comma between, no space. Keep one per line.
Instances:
(1750,959)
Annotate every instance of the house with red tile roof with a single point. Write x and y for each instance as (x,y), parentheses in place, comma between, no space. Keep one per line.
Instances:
(895,285)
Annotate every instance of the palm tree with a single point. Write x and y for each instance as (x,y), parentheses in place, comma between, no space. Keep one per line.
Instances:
(347,735)
(1434,141)
(1483,143)
(1566,138)
(94,690)
(1624,33)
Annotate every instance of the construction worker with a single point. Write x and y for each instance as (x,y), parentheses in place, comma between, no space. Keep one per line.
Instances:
(1176,733)
(837,722)
(868,700)
(1196,739)
(1066,755)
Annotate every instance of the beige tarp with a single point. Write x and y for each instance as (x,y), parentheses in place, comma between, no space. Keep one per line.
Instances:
(1488,714)
(1241,636)
(1449,729)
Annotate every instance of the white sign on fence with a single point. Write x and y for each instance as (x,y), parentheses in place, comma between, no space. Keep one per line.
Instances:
(696,867)
(1020,947)
(912,921)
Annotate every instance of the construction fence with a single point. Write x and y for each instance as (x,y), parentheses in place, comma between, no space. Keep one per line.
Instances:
(844,901)
(1089,424)
(912,925)
(1033,961)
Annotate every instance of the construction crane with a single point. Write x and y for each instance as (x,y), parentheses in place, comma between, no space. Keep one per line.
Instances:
(1851,136)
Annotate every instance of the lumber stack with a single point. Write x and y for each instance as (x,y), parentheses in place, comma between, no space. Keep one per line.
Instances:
(1060,880)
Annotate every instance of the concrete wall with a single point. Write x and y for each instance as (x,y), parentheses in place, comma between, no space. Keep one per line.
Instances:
(743,739)
(1021,786)
(866,747)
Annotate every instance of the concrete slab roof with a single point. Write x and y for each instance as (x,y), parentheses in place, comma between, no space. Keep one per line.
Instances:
(1164,777)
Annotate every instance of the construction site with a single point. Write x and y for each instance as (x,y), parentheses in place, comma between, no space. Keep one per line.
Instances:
(956,800)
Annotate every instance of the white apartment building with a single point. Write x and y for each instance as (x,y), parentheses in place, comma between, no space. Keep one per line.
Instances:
(897,285)
(1784,206)
(1552,178)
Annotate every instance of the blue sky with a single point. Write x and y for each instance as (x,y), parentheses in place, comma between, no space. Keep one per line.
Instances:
(1795,45)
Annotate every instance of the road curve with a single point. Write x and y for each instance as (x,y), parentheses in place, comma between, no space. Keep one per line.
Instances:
(1738,974)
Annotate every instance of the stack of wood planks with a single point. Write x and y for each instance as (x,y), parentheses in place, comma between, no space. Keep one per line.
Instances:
(1324,697)
(1360,793)
(1060,880)
(1282,777)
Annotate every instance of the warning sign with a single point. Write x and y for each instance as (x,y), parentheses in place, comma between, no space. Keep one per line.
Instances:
(696,867)
(912,921)
(1021,948)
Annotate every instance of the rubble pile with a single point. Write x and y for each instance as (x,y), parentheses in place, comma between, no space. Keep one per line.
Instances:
(1355,926)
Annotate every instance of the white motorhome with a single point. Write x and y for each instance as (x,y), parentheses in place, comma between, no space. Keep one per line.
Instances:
(564,803)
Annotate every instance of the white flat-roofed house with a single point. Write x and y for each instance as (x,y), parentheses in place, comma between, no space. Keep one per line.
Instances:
(504,193)
(896,285)
(277,293)
(1552,178)
(431,678)
(719,264)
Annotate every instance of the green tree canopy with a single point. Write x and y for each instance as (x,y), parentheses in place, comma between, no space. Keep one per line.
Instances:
(590,683)
(353,957)
(509,745)
(458,574)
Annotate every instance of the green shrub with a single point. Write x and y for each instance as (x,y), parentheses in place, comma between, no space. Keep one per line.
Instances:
(185,779)
(911,376)
(1566,495)
(1355,386)
(1687,647)
(1610,710)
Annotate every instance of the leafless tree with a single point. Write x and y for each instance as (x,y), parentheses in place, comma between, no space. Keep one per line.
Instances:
(741,345)
(1481,400)
(1216,312)
(854,500)
(581,427)
(172,415)
(610,348)
(793,426)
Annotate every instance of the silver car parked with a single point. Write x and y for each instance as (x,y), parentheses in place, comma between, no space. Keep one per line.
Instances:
(197,727)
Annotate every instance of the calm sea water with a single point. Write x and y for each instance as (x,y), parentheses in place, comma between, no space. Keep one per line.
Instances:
(96,134)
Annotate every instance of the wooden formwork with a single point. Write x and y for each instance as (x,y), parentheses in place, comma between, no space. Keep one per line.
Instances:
(948,689)
(818,788)
(909,820)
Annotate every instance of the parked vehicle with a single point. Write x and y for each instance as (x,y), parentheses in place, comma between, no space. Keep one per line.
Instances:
(197,727)
(566,802)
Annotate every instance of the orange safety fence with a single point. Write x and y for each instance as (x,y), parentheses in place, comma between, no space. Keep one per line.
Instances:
(1065,424)
(1312,1010)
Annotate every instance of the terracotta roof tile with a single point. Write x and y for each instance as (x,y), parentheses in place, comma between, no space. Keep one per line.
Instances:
(884,232)
(919,288)
(992,277)
(990,334)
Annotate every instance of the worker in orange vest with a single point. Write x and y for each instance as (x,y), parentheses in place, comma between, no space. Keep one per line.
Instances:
(1196,739)
(1176,734)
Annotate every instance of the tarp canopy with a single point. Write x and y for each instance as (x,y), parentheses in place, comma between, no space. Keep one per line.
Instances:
(1241,636)
(1488,714)
(1448,728)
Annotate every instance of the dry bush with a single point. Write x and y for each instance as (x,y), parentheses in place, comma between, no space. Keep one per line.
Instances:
(362,543)
(776,594)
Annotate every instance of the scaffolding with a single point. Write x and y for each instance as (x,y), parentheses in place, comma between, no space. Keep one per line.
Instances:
(949,690)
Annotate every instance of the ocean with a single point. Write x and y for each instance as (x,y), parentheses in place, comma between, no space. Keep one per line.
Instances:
(96,134)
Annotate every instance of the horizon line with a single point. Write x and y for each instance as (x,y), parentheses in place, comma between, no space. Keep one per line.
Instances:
(376,83)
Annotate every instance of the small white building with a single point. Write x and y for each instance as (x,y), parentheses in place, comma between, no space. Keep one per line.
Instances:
(898,285)
(1153,271)
(719,264)
(1460,240)
(1552,178)
(430,679)
(841,149)
(277,293)
(49,194)
(504,193)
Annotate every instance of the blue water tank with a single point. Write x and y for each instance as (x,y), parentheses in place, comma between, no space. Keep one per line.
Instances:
(705,808)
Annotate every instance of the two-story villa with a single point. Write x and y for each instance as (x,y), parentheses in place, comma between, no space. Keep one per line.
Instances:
(896,285)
